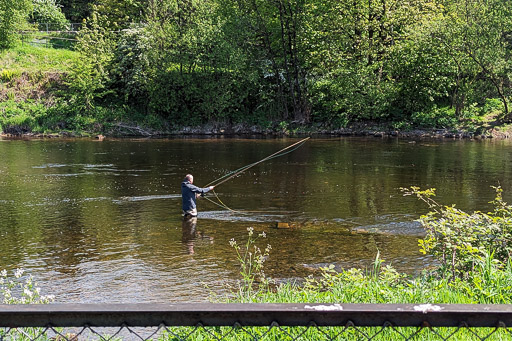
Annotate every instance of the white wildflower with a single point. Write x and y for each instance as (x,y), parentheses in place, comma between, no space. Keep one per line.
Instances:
(3,273)
(27,292)
(19,273)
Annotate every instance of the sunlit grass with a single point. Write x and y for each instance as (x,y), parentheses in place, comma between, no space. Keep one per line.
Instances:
(27,58)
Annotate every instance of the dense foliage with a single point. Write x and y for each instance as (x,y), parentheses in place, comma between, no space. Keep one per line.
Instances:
(13,14)
(48,12)
(434,63)
(420,63)
(460,240)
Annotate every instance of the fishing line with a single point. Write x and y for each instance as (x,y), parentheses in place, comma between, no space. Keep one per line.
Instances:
(238,211)
(240,170)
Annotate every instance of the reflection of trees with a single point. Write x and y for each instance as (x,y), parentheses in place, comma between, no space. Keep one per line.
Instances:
(360,177)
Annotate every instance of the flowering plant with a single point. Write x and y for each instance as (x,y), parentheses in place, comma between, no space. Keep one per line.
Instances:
(251,260)
(19,290)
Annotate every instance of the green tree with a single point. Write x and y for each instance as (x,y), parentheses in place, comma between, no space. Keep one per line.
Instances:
(49,12)
(119,14)
(351,56)
(272,35)
(480,31)
(459,57)
(76,10)
(13,15)
(90,78)
(188,74)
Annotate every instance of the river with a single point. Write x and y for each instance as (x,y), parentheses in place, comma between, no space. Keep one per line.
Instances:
(99,221)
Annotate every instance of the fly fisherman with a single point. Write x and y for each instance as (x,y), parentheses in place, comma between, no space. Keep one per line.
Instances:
(189,194)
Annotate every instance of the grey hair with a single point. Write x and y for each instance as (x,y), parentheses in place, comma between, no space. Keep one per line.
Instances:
(188,177)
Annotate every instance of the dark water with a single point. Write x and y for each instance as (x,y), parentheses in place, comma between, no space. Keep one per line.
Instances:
(100,221)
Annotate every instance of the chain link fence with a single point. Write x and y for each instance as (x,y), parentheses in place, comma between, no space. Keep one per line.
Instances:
(255,322)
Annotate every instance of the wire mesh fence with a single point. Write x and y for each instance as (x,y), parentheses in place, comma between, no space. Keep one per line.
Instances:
(52,35)
(62,41)
(256,322)
(272,332)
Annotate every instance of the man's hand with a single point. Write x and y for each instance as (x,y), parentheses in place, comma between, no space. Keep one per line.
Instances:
(211,187)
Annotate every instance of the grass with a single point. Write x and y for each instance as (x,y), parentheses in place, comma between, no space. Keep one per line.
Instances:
(27,58)
(30,78)
(490,285)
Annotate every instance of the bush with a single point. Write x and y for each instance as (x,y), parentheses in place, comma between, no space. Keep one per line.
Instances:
(460,240)
(13,14)
(20,117)
(48,12)
(16,290)
(435,117)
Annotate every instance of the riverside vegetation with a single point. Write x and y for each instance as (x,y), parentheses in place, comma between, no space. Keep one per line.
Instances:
(148,66)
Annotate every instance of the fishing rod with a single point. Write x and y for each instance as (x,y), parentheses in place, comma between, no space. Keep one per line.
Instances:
(238,171)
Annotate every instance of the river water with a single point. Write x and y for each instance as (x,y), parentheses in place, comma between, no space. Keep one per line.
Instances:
(99,221)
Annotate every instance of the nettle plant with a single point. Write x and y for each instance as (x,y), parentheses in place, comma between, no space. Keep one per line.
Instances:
(18,290)
(461,240)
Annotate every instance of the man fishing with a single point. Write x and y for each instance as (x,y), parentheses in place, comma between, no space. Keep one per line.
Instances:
(189,194)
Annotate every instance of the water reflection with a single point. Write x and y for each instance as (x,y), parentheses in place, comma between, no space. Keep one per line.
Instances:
(190,235)
(101,222)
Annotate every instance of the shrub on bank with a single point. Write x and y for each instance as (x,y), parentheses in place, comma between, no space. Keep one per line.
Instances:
(460,240)
(20,117)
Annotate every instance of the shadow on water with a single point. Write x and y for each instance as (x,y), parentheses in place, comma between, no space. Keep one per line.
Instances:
(100,222)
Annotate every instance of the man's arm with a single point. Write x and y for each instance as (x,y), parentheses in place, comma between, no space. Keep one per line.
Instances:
(196,189)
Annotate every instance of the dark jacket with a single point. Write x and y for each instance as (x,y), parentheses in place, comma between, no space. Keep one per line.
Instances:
(188,194)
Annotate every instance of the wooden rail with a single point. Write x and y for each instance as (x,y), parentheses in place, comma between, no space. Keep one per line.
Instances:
(320,314)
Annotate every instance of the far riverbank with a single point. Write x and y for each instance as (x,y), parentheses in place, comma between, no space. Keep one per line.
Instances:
(361,129)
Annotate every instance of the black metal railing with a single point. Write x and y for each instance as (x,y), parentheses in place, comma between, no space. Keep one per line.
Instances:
(255,322)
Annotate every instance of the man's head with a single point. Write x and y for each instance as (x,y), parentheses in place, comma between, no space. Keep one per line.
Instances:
(189,178)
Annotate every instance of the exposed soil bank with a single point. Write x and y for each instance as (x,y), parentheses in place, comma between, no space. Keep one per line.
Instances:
(127,130)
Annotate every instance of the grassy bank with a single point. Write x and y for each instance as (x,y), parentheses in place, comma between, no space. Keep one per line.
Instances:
(30,81)
(30,59)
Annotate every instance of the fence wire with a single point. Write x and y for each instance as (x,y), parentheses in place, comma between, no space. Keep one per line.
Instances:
(273,332)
